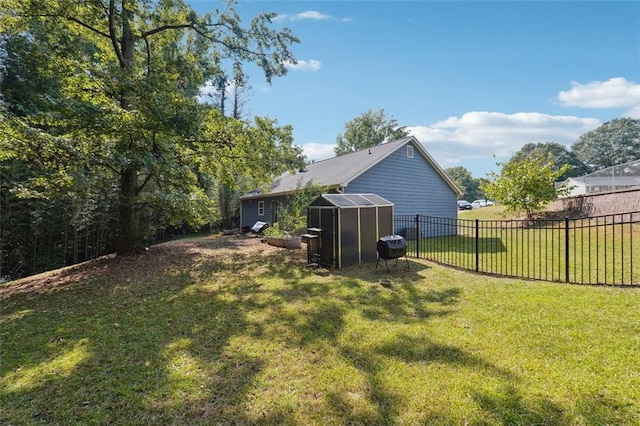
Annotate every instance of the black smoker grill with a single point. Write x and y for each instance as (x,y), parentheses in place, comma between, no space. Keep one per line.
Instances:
(392,247)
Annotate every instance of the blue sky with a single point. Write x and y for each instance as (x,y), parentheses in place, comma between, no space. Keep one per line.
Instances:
(473,80)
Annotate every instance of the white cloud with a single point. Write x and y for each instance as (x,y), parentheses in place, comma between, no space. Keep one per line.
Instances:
(318,151)
(309,15)
(613,93)
(306,15)
(480,134)
(302,65)
(633,112)
(208,90)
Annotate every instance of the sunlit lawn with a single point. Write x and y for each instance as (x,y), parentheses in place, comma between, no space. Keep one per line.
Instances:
(599,252)
(497,212)
(199,334)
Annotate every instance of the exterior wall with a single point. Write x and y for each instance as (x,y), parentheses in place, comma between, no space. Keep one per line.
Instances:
(578,188)
(411,184)
(615,202)
(249,210)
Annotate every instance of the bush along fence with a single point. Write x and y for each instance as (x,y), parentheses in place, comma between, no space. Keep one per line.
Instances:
(595,250)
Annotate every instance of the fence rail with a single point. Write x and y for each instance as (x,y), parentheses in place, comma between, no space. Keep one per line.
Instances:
(596,250)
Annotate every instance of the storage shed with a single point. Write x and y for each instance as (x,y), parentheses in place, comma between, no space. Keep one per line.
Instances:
(349,226)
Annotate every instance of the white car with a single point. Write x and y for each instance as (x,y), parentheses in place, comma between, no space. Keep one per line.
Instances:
(476,204)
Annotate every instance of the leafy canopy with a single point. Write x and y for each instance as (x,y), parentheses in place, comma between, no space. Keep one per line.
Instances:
(118,83)
(614,142)
(526,185)
(370,129)
(557,153)
(463,179)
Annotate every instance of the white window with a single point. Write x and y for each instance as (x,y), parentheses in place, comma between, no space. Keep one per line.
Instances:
(260,208)
(409,151)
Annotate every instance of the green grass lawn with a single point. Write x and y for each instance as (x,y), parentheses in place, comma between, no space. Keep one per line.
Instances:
(599,252)
(497,212)
(207,331)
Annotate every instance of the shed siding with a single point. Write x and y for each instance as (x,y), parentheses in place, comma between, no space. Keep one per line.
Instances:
(411,184)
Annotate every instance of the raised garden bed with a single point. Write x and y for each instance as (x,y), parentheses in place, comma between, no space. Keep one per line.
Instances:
(285,242)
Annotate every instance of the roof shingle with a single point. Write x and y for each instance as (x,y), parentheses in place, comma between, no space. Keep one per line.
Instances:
(340,170)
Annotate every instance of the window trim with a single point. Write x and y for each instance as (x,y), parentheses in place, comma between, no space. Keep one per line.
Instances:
(409,151)
(260,208)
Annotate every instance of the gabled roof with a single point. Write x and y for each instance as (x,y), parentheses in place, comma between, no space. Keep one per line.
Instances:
(339,171)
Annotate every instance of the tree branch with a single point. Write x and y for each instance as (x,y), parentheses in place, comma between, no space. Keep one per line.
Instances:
(145,182)
(146,42)
(87,26)
(112,32)
(167,27)
(72,19)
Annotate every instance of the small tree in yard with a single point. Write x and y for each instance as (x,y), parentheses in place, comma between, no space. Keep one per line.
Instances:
(292,219)
(527,184)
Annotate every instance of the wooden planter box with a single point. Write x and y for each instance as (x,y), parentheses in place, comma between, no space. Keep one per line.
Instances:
(285,242)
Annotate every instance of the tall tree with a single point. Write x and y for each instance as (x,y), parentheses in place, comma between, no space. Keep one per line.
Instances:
(612,143)
(463,179)
(237,88)
(129,73)
(526,185)
(370,129)
(556,152)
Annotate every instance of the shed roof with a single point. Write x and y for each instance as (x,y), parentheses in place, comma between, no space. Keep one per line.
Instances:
(339,171)
(351,200)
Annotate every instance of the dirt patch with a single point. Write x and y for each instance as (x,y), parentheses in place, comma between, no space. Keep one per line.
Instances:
(172,257)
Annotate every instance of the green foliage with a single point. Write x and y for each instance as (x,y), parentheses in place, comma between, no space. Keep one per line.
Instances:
(527,184)
(463,179)
(292,217)
(614,142)
(274,231)
(370,129)
(114,100)
(557,153)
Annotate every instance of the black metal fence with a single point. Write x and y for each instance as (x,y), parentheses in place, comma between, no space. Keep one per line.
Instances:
(595,250)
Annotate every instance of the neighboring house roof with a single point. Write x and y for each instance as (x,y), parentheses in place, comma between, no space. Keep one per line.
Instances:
(606,180)
(338,171)
(627,174)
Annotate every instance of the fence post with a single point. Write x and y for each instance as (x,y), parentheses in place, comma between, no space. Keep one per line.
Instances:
(418,236)
(566,249)
(477,245)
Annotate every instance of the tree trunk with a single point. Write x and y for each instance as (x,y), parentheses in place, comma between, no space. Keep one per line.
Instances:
(75,245)
(128,240)
(128,229)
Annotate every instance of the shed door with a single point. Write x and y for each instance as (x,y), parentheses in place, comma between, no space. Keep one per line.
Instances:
(349,237)
(368,234)
(329,237)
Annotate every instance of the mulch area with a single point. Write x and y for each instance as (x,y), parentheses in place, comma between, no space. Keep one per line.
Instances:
(175,256)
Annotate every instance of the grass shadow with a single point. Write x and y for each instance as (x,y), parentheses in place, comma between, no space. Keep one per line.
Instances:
(412,349)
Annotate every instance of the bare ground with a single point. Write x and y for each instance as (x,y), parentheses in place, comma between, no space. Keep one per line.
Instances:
(174,256)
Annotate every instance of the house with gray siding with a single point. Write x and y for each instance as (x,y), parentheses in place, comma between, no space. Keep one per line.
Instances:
(401,171)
